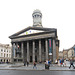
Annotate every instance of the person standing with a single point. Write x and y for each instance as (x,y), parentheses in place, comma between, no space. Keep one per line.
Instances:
(62,62)
(49,62)
(71,63)
(59,62)
(27,63)
(47,65)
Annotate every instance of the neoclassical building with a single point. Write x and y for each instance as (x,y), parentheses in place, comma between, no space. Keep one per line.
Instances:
(35,43)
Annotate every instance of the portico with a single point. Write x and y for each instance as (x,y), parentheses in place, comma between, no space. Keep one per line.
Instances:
(31,50)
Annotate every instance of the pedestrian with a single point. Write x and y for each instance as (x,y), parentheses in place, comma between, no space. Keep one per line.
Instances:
(58,62)
(46,62)
(34,65)
(62,61)
(71,63)
(49,62)
(27,63)
(24,63)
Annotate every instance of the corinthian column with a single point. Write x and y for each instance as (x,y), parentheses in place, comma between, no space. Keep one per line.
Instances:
(46,44)
(28,51)
(22,48)
(13,52)
(54,51)
(33,51)
(39,50)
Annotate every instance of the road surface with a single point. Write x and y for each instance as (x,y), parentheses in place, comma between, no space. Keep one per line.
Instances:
(46,72)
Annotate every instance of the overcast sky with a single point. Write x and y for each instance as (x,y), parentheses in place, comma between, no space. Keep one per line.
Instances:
(16,15)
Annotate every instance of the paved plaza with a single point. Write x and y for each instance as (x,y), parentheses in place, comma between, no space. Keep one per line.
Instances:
(20,66)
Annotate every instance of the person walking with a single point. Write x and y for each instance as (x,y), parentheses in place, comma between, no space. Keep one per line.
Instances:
(71,63)
(34,65)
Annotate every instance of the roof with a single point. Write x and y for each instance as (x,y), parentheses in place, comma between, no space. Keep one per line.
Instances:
(5,45)
(35,28)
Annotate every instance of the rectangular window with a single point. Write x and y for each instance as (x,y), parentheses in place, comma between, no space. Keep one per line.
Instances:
(1,50)
(7,55)
(7,50)
(4,50)
(4,55)
(1,54)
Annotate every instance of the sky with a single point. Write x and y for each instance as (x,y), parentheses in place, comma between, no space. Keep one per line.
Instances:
(16,15)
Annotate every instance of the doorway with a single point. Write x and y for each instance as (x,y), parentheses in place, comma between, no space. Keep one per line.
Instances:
(35,58)
(30,58)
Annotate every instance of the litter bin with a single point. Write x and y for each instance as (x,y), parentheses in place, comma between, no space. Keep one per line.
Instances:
(46,66)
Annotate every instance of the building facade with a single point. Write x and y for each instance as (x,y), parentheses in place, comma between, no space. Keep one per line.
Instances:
(5,53)
(35,43)
(70,53)
(60,54)
(67,53)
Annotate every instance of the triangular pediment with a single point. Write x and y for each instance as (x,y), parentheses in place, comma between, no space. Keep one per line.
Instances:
(30,31)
